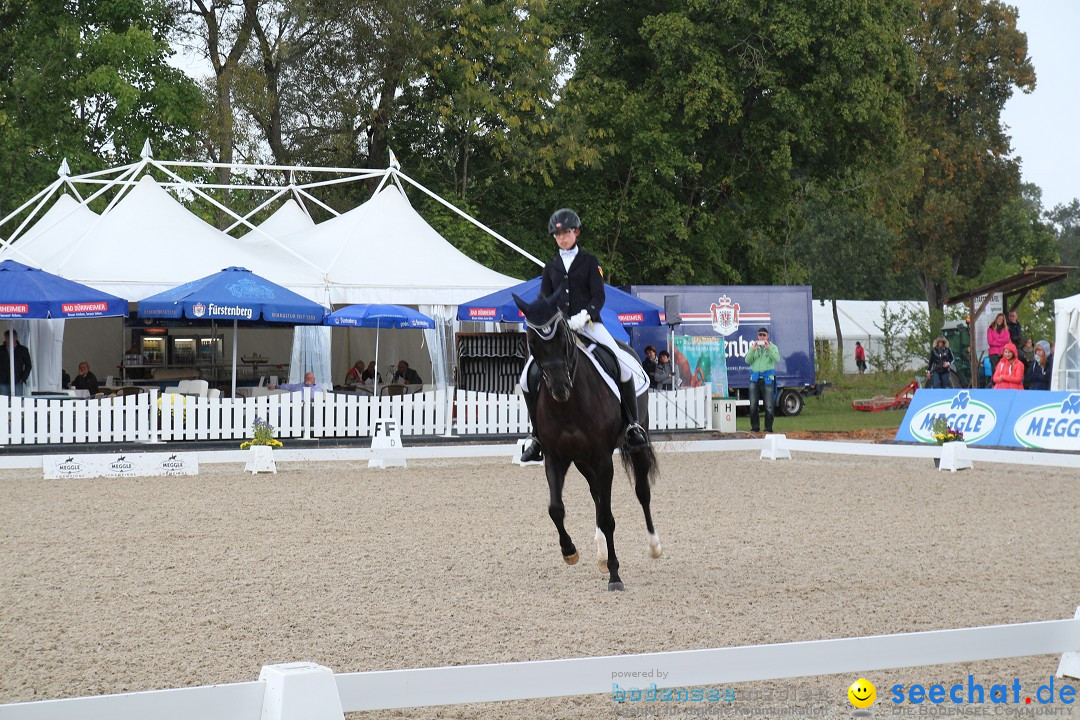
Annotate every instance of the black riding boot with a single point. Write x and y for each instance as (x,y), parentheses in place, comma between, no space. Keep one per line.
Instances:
(636,437)
(532,451)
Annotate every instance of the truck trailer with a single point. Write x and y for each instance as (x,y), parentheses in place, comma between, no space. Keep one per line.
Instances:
(734,313)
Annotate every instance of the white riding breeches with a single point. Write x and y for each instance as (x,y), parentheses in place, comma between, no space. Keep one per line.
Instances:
(629,366)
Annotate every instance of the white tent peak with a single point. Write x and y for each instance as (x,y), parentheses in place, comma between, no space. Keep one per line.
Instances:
(64,169)
(146,153)
(385,249)
(287,219)
(63,223)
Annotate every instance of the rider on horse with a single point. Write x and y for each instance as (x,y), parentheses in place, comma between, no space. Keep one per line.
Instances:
(579,272)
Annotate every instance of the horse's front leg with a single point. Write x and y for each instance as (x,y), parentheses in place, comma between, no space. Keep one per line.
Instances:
(599,474)
(555,469)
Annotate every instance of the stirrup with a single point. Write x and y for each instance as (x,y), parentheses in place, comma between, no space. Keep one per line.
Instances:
(636,437)
(532,452)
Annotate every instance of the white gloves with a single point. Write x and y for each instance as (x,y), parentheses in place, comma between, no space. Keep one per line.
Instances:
(578,321)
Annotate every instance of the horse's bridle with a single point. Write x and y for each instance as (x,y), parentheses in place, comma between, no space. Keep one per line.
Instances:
(546,333)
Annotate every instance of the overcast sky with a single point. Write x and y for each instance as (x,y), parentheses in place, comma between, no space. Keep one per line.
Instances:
(1043,124)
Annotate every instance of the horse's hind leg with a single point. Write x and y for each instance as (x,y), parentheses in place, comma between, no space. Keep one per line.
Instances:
(643,465)
(556,476)
(599,478)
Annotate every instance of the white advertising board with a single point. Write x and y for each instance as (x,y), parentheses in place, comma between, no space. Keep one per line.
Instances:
(121,464)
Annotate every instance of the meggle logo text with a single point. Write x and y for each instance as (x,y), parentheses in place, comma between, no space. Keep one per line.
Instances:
(1054,426)
(973,418)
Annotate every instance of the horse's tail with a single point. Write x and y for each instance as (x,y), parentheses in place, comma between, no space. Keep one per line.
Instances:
(640,464)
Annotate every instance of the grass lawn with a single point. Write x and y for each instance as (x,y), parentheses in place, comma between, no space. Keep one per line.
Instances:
(832,412)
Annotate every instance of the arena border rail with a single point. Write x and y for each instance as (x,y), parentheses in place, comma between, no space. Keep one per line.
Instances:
(305,690)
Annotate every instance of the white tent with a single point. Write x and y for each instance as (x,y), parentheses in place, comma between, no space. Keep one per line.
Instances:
(1066,344)
(149,242)
(860,320)
(63,223)
(384,252)
(287,219)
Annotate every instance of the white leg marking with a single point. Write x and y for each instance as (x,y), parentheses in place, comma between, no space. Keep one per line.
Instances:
(655,550)
(601,550)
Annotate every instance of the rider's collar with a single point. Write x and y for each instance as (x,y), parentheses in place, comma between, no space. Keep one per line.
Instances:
(572,252)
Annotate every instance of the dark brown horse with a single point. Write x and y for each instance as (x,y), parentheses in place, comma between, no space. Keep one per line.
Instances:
(579,420)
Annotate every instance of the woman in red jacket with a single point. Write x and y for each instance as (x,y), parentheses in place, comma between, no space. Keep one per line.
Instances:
(1009,373)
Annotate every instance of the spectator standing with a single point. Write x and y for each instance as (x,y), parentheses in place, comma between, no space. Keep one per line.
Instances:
(649,364)
(664,372)
(1040,369)
(85,380)
(1015,331)
(762,358)
(860,357)
(941,360)
(997,335)
(1009,372)
(22,364)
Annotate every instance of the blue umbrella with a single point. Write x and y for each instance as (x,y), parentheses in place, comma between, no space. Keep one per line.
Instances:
(620,308)
(378,316)
(31,293)
(499,306)
(234,293)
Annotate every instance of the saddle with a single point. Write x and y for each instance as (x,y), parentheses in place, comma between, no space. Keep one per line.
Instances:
(603,355)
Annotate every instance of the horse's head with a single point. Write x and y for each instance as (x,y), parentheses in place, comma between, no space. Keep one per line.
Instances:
(552,345)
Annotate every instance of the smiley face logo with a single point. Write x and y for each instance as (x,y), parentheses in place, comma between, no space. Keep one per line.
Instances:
(862,693)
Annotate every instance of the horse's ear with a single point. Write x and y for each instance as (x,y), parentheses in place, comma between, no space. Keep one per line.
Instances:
(522,305)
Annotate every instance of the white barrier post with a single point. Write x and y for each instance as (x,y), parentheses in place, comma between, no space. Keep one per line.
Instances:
(386,445)
(1069,666)
(300,691)
(773,450)
(955,456)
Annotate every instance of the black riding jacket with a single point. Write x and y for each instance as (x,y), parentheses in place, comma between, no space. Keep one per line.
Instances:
(584,284)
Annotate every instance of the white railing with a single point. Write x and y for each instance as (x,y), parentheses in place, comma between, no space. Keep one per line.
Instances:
(33,421)
(171,417)
(305,690)
(497,414)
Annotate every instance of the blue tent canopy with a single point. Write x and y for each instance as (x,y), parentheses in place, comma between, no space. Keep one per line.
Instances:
(235,293)
(499,306)
(30,293)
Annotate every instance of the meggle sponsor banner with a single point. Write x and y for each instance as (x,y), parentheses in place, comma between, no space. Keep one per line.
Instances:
(979,414)
(120,465)
(1044,420)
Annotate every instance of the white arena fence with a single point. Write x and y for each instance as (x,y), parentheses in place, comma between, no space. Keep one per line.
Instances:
(307,691)
(148,417)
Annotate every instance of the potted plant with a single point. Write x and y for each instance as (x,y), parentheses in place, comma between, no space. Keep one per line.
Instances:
(261,447)
(942,433)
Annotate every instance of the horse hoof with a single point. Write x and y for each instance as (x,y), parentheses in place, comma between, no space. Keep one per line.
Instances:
(601,564)
(655,548)
(615,587)
(571,559)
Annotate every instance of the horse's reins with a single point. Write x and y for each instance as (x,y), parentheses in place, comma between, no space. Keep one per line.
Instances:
(546,333)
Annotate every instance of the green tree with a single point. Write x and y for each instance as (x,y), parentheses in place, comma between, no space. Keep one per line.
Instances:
(971,57)
(89,82)
(699,126)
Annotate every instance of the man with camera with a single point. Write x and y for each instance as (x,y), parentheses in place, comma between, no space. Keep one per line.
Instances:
(762,358)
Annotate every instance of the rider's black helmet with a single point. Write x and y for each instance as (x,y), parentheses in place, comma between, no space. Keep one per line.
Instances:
(563,219)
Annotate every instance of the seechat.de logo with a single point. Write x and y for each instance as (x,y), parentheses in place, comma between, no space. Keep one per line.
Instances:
(1054,426)
(974,418)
